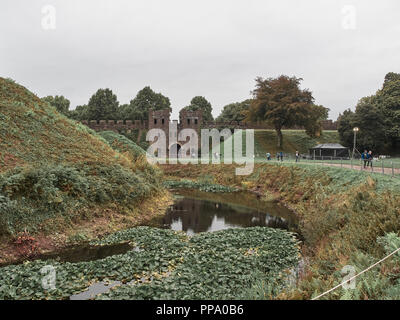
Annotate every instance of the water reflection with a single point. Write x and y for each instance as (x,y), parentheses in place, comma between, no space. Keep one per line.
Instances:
(195,212)
(81,253)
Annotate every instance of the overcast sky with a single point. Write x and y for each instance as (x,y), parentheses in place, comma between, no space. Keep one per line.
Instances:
(185,48)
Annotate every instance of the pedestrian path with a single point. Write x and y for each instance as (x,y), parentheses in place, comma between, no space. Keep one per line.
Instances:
(368,169)
(358,166)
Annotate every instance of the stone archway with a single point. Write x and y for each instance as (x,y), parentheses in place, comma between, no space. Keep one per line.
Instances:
(174,150)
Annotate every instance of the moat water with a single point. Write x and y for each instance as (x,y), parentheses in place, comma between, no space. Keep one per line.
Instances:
(196,211)
(193,212)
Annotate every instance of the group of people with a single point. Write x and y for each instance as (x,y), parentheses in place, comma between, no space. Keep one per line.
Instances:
(279,156)
(367,158)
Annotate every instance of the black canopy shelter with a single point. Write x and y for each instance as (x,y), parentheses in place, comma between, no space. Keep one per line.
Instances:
(329,150)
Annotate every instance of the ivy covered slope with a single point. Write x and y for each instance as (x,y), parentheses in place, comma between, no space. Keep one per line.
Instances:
(55,172)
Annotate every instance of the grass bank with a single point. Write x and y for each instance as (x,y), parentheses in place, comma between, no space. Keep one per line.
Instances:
(346,218)
(58,176)
(293,140)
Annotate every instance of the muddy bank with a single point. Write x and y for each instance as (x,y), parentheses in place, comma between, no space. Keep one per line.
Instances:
(103,222)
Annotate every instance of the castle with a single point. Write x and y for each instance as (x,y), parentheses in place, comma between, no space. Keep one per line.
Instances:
(187,119)
(160,119)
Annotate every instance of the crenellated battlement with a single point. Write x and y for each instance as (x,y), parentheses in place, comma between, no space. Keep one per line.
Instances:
(187,119)
(116,125)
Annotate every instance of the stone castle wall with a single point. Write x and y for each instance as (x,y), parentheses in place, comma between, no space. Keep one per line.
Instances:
(187,119)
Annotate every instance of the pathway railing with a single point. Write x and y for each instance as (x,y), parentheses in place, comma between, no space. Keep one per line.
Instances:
(390,166)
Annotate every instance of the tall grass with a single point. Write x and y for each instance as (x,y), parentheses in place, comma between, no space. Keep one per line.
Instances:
(342,213)
(54,171)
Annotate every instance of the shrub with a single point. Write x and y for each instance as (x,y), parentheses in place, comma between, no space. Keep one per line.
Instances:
(29,196)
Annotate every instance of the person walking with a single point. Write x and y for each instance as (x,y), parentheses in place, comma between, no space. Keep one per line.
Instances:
(268,156)
(364,157)
(370,158)
(281,155)
(278,156)
(297,156)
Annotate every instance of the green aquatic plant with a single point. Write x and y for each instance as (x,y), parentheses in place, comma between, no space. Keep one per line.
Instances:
(202,186)
(165,265)
(219,265)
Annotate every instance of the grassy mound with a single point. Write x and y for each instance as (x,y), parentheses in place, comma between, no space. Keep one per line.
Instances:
(123,144)
(32,132)
(54,171)
(293,140)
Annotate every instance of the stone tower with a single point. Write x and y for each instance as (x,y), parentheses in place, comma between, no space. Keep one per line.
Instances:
(159,119)
(190,119)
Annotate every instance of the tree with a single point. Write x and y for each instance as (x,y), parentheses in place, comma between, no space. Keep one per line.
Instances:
(313,121)
(377,116)
(124,113)
(201,103)
(371,122)
(388,101)
(391,77)
(80,113)
(103,105)
(346,123)
(145,100)
(280,102)
(58,102)
(234,111)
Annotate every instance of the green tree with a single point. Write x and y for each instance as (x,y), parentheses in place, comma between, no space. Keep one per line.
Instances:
(346,123)
(201,103)
(371,122)
(80,113)
(124,113)
(313,121)
(145,100)
(378,118)
(58,102)
(234,111)
(388,101)
(280,102)
(391,77)
(103,105)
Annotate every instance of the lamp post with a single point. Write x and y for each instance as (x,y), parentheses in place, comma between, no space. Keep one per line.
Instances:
(355,130)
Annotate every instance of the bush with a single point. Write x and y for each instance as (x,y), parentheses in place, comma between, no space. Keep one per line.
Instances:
(29,196)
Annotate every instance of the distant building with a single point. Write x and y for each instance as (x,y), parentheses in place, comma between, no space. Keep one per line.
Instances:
(329,150)
(160,119)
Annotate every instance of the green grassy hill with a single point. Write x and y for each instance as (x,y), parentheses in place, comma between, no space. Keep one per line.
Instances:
(55,172)
(31,132)
(293,140)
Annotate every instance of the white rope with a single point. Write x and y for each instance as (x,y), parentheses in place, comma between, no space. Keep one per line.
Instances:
(352,278)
